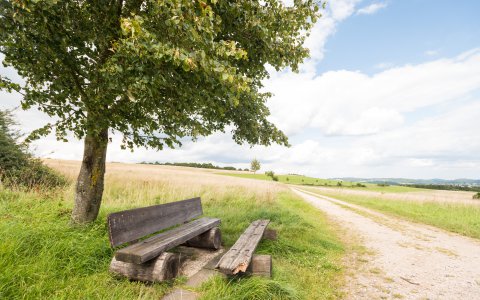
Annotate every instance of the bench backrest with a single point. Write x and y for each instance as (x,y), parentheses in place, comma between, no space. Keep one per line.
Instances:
(130,225)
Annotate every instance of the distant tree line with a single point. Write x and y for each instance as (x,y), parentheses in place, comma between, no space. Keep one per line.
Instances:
(448,187)
(195,165)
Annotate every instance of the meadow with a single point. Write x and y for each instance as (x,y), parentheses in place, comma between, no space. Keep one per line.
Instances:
(290,178)
(312,181)
(43,257)
(453,211)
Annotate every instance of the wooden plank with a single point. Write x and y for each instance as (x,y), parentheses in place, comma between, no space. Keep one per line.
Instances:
(150,248)
(129,225)
(240,255)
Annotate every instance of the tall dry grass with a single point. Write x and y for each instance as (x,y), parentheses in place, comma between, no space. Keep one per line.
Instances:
(132,185)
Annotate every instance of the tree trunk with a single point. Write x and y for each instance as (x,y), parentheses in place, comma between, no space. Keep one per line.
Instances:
(89,190)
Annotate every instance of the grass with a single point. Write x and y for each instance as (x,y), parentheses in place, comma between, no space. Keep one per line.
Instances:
(389,188)
(42,256)
(291,179)
(460,218)
(312,181)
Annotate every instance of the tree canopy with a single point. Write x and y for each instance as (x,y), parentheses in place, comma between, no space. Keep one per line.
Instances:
(154,71)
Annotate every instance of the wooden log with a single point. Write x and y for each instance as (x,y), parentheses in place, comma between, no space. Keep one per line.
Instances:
(240,255)
(270,234)
(164,267)
(261,265)
(211,239)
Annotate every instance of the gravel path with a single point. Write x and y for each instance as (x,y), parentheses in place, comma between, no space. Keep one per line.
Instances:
(403,259)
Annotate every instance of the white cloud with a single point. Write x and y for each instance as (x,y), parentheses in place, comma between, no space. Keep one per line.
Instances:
(352,103)
(372,8)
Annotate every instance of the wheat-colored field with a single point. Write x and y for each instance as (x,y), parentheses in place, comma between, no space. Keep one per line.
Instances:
(139,184)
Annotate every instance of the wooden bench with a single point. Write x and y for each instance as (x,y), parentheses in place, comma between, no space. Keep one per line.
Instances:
(146,260)
(239,257)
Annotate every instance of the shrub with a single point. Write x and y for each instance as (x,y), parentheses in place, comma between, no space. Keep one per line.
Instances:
(339,183)
(18,168)
(476,196)
(361,185)
(270,173)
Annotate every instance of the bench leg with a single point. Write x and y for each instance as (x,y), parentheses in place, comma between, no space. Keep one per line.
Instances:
(211,239)
(164,267)
(261,265)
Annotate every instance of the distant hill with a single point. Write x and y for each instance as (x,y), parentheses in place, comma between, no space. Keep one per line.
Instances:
(461,182)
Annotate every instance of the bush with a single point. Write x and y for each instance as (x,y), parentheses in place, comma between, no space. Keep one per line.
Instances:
(476,196)
(17,166)
(339,183)
(361,185)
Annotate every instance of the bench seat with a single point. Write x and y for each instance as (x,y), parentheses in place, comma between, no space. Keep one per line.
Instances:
(153,246)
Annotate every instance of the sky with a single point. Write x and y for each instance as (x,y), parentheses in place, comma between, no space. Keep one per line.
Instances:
(392,89)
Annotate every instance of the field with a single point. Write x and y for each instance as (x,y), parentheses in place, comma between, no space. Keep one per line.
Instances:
(312,181)
(291,179)
(43,257)
(449,210)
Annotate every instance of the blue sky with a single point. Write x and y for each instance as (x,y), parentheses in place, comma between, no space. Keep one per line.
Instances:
(403,32)
(392,89)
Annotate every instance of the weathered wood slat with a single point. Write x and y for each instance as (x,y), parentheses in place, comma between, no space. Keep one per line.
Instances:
(145,250)
(130,225)
(240,255)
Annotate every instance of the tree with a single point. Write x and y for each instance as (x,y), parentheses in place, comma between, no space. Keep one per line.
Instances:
(154,72)
(255,165)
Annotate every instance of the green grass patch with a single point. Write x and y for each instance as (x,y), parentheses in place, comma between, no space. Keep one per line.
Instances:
(292,179)
(389,188)
(43,257)
(312,181)
(460,218)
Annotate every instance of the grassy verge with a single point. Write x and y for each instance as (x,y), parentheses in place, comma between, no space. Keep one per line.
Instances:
(459,218)
(43,257)
(312,181)
(292,179)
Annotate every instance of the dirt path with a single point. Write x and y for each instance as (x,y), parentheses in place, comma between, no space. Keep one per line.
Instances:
(405,260)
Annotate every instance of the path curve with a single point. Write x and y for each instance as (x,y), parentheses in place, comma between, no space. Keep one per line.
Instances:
(409,260)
